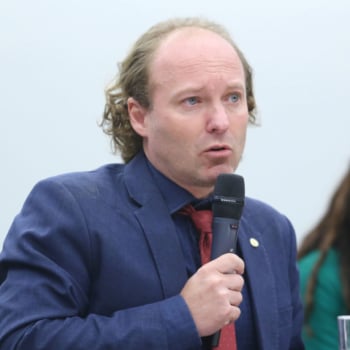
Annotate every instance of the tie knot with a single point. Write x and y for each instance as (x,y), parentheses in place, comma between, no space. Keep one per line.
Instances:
(202,219)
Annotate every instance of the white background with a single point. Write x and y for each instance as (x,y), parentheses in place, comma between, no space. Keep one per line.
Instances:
(56,58)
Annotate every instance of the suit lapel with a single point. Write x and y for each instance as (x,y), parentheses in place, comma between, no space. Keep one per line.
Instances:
(164,244)
(158,227)
(262,285)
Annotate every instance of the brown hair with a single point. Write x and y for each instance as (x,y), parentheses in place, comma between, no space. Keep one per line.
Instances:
(133,81)
(332,231)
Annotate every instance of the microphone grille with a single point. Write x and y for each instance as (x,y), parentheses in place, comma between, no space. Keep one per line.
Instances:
(229,195)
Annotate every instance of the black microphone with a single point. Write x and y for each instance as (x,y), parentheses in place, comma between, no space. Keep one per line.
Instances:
(227,209)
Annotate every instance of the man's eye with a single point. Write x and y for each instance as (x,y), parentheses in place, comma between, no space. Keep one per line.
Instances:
(234,98)
(192,100)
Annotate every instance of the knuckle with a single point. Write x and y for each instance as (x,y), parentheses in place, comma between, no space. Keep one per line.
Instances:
(240,280)
(236,299)
(237,312)
(240,298)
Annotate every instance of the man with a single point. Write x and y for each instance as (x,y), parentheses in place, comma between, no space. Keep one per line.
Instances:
(106,259)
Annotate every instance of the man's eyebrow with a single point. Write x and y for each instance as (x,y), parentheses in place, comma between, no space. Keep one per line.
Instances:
(236,86)
(189,90)
(197,88)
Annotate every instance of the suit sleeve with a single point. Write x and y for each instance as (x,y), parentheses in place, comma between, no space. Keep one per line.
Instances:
(46,281)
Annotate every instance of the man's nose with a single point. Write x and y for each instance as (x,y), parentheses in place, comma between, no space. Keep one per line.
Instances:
(218,119)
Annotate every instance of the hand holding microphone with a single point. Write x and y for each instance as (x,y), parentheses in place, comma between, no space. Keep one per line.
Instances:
(213,293)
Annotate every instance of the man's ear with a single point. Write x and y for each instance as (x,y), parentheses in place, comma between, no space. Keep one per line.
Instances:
(137,114)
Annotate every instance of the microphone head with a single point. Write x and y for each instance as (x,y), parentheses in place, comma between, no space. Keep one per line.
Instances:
(228,196)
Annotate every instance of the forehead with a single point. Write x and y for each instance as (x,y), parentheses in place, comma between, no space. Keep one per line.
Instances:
(188,49)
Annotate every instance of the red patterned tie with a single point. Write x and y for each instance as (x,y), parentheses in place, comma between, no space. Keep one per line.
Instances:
(203,219)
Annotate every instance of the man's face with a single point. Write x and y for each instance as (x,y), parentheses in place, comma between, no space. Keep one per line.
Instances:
(196,127)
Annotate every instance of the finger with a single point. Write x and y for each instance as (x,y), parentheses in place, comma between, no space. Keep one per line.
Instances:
(235,283)
(235,313)
(235,299)
(229,263)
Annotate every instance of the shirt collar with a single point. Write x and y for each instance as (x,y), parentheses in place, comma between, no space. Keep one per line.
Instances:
(175,196)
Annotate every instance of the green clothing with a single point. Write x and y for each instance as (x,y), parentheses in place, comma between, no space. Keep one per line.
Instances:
(328,301)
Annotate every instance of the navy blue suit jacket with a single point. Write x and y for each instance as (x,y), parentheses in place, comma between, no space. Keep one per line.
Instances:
(93,262)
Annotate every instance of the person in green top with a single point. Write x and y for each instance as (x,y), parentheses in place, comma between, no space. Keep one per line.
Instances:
(324,264)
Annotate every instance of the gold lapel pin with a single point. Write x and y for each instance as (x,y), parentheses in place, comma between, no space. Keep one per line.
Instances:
(254,243)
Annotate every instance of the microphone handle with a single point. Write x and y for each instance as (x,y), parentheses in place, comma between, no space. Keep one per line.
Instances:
(224,241)
(215,339)
(224,236)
